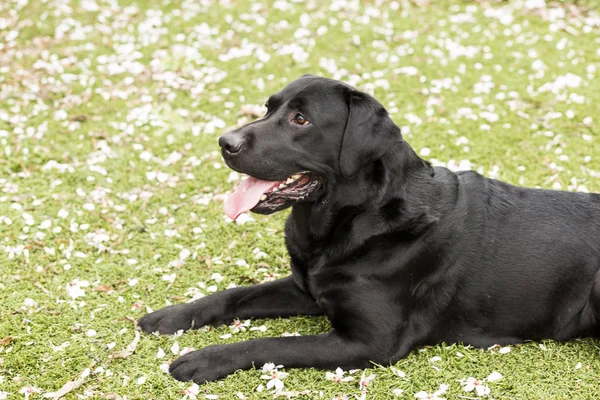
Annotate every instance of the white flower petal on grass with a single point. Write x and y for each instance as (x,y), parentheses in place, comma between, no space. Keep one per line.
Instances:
(186,350)
(162,177)
(424,395)
(175,348)
(504,350)
(74,288)
(269,367)
(433,396)
(338,376)
(364,381)
(164,367)
(60,347)
(28,302)
(443,389)
(482,390)
(408,70)
(191,392)
(261,328)
(475,384)
(160,353)
(271,372)
(29,390)
(184,254)
(237,326)
(171,232)
(494,376)
(244,218)
(233,176)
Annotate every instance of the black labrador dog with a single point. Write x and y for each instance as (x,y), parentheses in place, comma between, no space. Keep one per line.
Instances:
(396,253)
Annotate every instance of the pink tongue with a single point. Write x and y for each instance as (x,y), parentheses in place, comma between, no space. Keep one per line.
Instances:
(246,195)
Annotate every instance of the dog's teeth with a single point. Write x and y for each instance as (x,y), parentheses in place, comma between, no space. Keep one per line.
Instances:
(294,177)
(263,197)
(281,186)
(288,181)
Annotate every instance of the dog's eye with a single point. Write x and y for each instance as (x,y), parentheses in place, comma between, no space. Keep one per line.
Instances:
(300,120)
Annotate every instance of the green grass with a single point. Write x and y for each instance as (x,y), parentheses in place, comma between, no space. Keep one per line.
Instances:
(125,124)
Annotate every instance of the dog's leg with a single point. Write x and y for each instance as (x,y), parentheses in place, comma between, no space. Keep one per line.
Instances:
(326,351)
(281,298)
(363,332)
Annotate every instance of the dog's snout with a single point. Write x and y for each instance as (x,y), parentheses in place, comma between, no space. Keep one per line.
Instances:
(231,143)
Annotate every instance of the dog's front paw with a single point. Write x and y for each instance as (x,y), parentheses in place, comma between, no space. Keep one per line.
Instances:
(206,365)
(168,320)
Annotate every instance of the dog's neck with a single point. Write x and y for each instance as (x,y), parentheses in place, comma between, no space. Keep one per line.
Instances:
(386,186)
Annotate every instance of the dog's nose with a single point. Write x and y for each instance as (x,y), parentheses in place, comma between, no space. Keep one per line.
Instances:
(231,143)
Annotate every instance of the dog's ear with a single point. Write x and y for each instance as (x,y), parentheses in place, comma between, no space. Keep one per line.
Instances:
(369,133)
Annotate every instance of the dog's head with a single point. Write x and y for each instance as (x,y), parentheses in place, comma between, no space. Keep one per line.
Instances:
(317,132)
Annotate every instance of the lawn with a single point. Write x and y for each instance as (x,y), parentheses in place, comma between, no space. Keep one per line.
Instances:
(111,183)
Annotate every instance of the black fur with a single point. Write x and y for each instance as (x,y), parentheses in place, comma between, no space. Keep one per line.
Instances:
(396,253)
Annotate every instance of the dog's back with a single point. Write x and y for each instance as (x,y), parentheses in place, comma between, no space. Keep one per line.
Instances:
(529,262)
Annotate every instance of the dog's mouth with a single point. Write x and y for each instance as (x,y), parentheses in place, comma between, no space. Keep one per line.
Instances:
(267,197)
